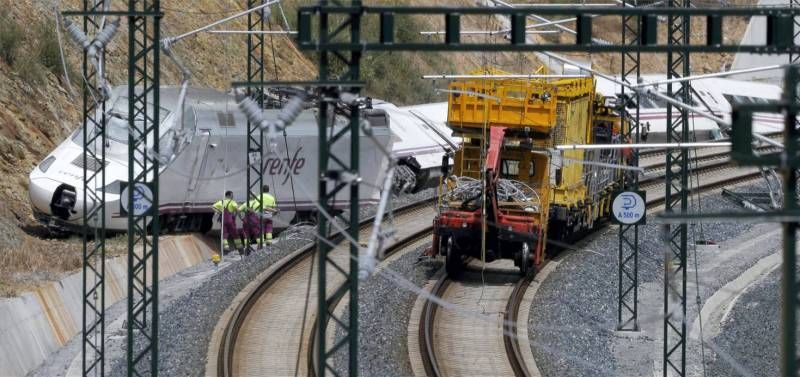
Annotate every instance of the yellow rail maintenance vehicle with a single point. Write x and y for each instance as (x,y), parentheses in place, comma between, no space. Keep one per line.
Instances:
(510,189)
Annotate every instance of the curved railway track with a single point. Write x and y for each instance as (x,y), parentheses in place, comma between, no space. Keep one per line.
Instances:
(271,329)
(474,346)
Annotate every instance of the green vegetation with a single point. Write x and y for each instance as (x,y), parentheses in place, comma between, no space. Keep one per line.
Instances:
(11,37)
(31,64)
(48,52)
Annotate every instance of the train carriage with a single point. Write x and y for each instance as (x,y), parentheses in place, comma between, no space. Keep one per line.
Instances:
(510,189)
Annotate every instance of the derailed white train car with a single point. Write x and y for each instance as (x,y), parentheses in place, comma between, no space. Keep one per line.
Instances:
(421,139)
(214,160)
(714,96)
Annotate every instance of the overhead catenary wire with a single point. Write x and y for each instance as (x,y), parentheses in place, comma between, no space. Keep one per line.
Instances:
(723,123)
(529,77)
(222,21)
(697,201)
(61,51)
(253,32)
(712,75)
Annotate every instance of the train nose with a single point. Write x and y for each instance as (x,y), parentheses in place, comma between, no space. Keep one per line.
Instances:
(63,202)
(51,198)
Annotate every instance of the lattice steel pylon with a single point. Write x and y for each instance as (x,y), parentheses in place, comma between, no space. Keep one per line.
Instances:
(335,170)
(94,179)
(789,281)
(676,196)
(628,276)
(794,58)
(144,21)
(255,73)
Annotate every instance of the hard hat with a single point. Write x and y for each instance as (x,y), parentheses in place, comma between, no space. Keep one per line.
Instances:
(215,258)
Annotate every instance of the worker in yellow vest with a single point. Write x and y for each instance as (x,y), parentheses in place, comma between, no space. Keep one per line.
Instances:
(251,221)
(269,207)
(227,210)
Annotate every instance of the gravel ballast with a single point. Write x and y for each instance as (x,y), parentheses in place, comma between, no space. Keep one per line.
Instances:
(384,313)
(573,318)
(187,323)
(750,334)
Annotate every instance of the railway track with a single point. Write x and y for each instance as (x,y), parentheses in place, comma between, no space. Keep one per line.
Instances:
(475,346)
(270,330)
(485,343)
(658,154)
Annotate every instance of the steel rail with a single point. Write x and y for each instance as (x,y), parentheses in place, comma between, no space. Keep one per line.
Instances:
(398,246)
(510,338)
(427,319)
(225,355)
(511,341)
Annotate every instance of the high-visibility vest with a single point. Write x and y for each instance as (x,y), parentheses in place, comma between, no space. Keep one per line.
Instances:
(253,205)
(227,204)
(268,201)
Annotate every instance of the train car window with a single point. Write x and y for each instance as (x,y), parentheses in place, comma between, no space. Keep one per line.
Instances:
(734,99)
(509,169)
(225,119)
(117,129)
(651,102)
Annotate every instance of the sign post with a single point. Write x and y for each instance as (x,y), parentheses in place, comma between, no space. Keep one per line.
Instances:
(629,207)
(142,199)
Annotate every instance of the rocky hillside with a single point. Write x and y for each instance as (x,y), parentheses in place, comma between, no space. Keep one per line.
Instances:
(40,103)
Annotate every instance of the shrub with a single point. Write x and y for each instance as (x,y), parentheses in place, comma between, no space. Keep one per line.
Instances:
(29,68)
(48,52)
(11,36)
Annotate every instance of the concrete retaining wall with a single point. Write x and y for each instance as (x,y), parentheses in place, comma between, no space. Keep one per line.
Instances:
(38,323)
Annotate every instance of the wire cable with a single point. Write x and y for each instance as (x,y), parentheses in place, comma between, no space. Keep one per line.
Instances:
(61,50)
(699,205)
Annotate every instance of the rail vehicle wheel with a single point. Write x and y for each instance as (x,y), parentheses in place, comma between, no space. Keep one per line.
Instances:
(454,263)
(525,263)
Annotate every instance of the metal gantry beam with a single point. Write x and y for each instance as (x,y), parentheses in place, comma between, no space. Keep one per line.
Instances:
(144,19)
(628,276)
(94,178)
(677,196)
(331,171)
(584,42)
(255,73)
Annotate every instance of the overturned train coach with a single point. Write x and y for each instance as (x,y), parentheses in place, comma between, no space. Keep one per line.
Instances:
(510,189)
(211,159)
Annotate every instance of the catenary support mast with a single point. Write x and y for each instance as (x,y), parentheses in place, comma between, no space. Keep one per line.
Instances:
(628,276)
(94,224)
(255,73)
(144,115)
(676,196)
